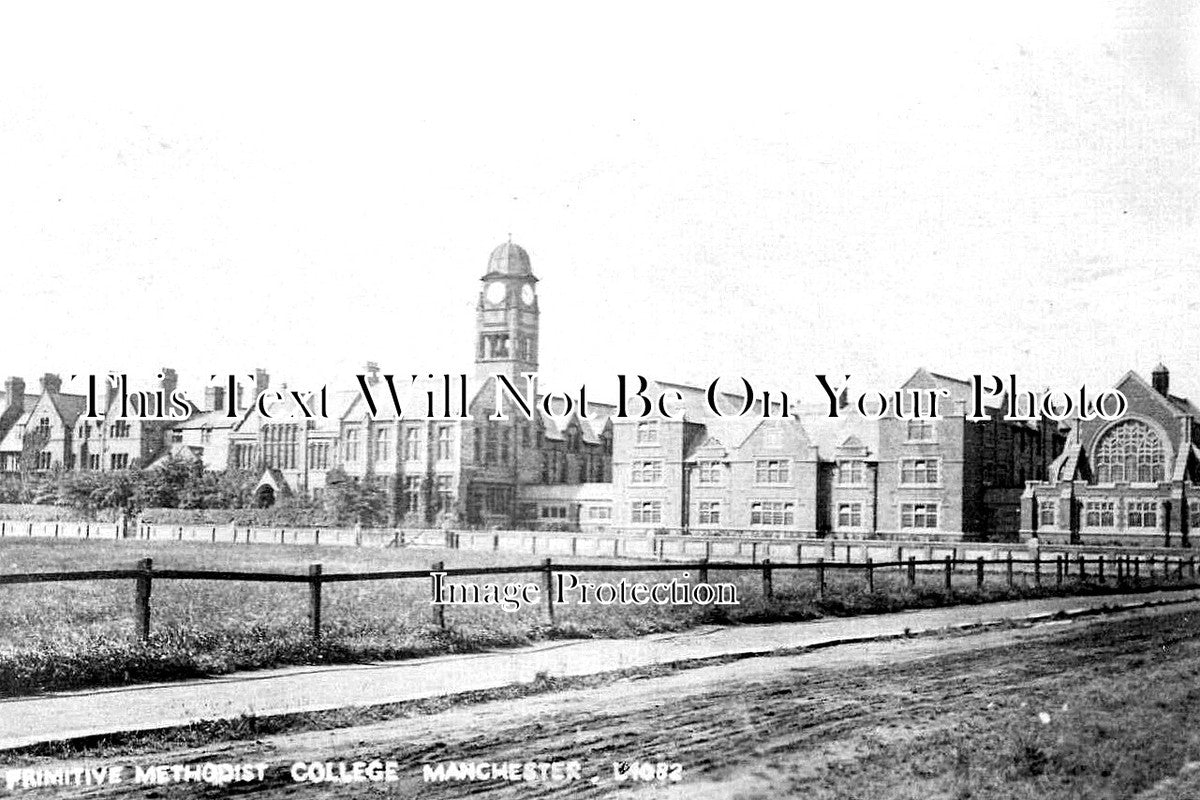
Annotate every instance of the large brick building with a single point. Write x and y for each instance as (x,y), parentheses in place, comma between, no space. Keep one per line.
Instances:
(466,469)
(1132,480)
(796,475)
(810,474)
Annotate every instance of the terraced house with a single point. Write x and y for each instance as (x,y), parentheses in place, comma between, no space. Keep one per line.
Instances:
(41,436)
(1135,480)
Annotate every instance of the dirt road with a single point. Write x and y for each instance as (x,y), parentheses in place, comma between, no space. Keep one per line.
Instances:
(951,717)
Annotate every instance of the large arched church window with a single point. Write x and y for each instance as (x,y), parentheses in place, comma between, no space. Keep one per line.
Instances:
(1130,451)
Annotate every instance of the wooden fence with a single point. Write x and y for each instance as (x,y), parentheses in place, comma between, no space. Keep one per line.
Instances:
(1134,571)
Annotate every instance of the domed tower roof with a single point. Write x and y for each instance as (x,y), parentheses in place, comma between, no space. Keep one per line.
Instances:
(509,259)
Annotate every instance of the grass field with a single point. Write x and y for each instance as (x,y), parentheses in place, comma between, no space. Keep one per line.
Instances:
(55,636)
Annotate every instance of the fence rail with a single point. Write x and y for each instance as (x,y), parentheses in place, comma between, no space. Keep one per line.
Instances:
(1126,570)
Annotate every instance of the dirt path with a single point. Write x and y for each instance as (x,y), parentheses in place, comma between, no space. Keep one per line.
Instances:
(921,718)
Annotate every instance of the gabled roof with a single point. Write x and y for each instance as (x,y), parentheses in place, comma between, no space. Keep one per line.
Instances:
(177,452)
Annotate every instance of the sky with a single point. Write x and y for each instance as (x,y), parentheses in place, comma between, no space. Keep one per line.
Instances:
(764,190)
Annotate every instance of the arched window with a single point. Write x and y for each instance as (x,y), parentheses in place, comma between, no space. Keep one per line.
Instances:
(1130,451)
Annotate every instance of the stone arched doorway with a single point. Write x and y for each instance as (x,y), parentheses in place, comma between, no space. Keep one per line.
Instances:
(265,496)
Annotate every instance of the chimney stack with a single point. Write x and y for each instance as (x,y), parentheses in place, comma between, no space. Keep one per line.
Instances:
(168,381)
(372,372)
(51,384)
(1160,379)
(110,394)
(214,398)
(261,381)
(14,392)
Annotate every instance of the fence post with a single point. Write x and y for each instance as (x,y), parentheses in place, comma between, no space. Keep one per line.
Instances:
(1100,568)
(1137,569)
(1082,567)
(1008,568)
(870,575)
(979,573)
(1191,567)
(142,598)
(912,571)
(821,578)
(754,552)
(548,585)
(949,574)
(314,601)
(1120,567)
(1150,568)
(704,570)
(768,589)
(1037,569)
(1058,570)
(439,610)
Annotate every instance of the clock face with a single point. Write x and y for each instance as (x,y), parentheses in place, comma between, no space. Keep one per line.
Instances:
(495,292)
(527,294)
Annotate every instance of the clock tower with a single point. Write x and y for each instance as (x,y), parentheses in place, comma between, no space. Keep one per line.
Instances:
(506,320)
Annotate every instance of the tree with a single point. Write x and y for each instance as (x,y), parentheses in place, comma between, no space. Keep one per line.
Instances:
(352,501)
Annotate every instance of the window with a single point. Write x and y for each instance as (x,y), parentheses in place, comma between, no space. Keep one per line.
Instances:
(851,473)
(918,515)
(94,461)
(849,515)
(1142,514)
(646,511)
(352,444)
(920,430)
(645,472)
(1193,514)
(43,426)
(119,460)
(919,470)
(1047,510)
(119,429)
(709,472)
(554,512)
(243,456)
(412,444)
(205,435)
(710,512)
(772,513)
(280,445)
(382,449)
(412,493)
(1099,513)
(445,492)
(44,459)
(318,455)
(85,430)
(1129,451)
(445,441)
(599,512)
(647,433)
(772,471)
(500,499)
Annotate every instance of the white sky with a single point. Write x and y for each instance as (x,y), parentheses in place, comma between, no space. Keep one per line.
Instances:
(704,190)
